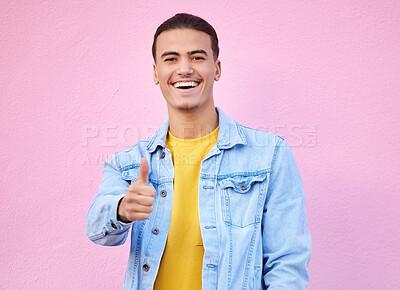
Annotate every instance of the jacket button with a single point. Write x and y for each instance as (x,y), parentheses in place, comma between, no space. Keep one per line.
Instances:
(162,155)
(155,231)
(243,186)
(114,226)
(146,267)
(163,193)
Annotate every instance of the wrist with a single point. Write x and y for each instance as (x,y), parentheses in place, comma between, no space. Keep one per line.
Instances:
(120,209)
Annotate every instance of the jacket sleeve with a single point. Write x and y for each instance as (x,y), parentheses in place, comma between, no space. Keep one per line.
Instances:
(102,226)
(286,238)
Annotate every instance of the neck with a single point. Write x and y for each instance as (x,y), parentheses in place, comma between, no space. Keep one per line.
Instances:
(192,125)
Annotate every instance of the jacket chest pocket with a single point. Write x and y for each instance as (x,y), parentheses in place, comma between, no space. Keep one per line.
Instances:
(130,175)
(242,199)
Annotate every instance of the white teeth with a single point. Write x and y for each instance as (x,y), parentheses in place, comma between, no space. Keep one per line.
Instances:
(186,84)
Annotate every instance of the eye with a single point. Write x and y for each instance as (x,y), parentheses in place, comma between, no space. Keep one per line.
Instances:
(198,58)
(170,59)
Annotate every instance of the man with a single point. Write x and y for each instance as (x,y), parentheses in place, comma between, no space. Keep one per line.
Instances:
(212,204)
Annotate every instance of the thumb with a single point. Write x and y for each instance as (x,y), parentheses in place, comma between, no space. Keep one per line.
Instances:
(143,177)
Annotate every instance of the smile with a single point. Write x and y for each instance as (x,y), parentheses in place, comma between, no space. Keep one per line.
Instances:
(186,85)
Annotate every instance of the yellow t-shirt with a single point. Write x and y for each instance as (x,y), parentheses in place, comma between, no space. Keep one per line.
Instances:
(182,261)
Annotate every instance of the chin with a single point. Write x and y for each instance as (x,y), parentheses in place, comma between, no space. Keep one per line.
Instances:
(186,107)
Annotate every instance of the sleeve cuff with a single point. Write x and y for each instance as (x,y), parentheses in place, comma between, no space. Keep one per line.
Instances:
(115,224)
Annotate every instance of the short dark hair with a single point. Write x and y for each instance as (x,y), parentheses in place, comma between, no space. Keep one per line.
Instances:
(189,21)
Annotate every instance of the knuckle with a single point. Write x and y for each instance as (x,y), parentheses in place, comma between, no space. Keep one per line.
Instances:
(134,187)
(135,217)
(131,200)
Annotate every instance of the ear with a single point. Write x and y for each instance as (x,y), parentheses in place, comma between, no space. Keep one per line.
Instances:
(155,77)
(217,70)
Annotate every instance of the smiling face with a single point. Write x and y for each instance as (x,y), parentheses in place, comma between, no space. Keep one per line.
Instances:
(186,70)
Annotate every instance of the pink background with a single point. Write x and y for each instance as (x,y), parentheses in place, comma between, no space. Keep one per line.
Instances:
(76,85)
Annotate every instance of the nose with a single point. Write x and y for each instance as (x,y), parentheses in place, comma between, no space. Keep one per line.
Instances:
(185,68)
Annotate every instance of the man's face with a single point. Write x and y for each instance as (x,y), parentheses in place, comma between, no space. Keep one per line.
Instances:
(186,70)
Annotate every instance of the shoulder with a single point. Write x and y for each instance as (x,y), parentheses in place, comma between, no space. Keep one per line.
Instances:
(130,157)
(263,145)
(261,137)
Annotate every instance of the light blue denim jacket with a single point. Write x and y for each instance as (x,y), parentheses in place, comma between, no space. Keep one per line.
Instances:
(251,206)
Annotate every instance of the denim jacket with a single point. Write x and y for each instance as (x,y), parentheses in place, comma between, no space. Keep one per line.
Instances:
(251,208)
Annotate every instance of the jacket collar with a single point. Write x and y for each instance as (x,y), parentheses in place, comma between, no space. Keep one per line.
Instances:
(229,134)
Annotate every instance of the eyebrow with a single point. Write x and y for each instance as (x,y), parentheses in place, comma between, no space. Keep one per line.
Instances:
(198,51)
(189,53)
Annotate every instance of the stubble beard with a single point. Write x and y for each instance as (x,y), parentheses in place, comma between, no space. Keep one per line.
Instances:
(186,107)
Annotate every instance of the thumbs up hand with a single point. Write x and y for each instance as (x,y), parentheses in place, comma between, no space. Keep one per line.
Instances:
(137,204)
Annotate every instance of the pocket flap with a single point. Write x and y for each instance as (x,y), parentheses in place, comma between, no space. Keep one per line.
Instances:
(241,183)
(131,174)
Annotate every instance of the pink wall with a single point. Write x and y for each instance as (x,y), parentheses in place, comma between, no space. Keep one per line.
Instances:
(76,85)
